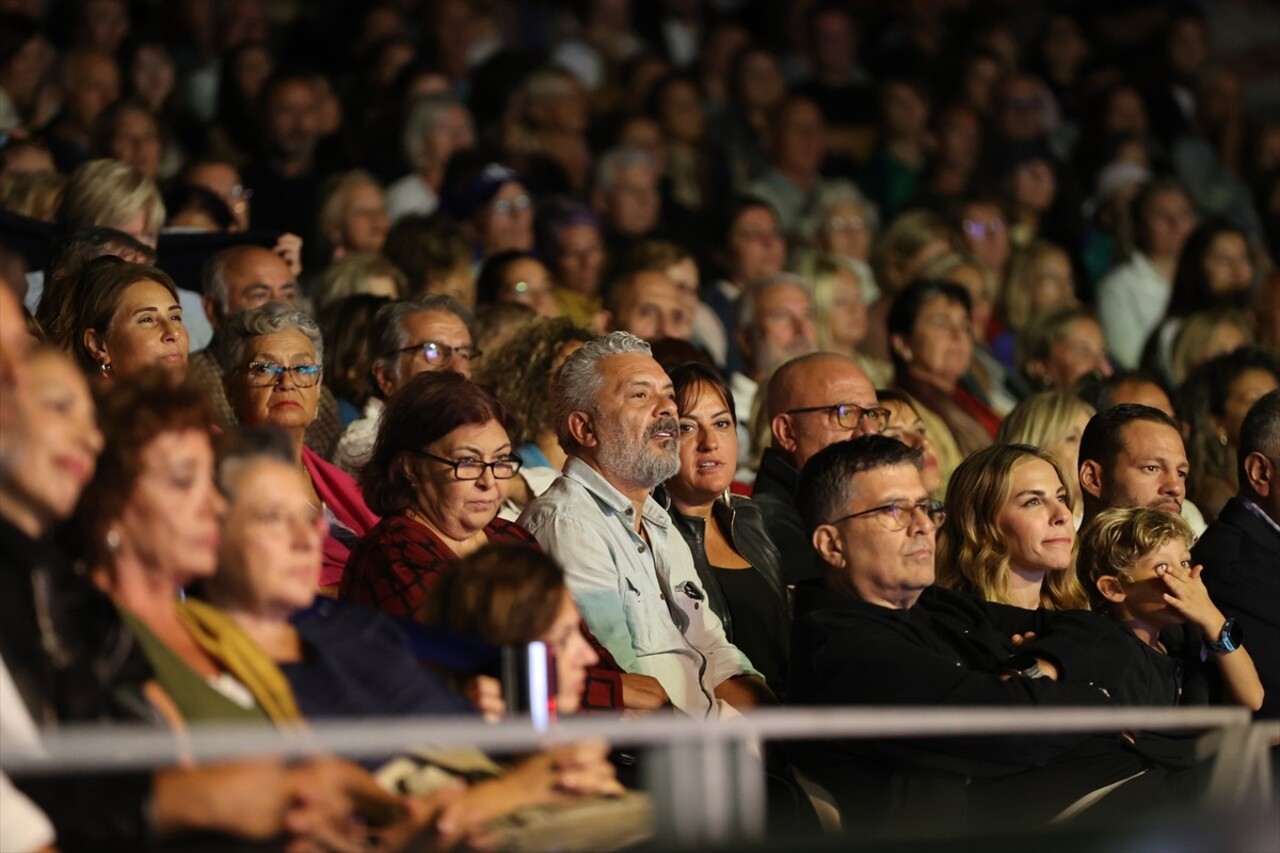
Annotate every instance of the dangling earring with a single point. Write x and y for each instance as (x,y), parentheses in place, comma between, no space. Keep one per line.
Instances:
(1222,439)
(113,540)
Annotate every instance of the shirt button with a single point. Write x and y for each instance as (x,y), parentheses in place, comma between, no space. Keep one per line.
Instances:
(642,549)
(631,510)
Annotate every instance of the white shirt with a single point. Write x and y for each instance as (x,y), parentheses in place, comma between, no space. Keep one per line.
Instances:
(355,446)
(1132,300)
(410,194)
(642,600)
(23,826)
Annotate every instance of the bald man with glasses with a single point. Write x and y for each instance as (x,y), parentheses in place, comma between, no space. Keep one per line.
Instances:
(813,401)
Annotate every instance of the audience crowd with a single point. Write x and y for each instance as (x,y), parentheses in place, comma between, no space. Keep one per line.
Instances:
(743,353)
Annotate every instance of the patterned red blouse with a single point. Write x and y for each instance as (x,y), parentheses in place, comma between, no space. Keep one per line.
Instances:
(398,563)
(395,566)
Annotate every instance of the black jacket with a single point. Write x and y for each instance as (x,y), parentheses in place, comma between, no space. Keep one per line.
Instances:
(775,494)
(73,661)
(743,525)
(948,650)
(1240,553)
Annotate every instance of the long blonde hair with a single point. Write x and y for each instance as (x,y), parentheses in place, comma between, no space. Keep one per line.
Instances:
(973,555)
(1043,419)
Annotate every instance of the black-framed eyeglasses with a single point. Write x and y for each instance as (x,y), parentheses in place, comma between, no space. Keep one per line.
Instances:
(437,353)
(262,374)
(898,515)
(473,469)
(849,415)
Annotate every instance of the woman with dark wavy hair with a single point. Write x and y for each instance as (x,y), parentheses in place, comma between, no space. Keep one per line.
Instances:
(438,475)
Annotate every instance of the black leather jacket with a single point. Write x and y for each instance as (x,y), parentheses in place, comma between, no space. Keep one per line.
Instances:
(743,526)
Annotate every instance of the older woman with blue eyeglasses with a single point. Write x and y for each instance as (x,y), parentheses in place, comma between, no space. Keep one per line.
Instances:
(271,360)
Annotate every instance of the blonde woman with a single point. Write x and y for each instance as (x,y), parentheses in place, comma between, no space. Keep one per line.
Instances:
(1052,421)
(1040,278)
(1008,536)
(839,312)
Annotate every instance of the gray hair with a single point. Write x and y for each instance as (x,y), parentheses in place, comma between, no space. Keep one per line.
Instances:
(747,301)
(268,319)
(213,280)
(577,385)
(388,335)
(616,159)
(831,195)
(425,113)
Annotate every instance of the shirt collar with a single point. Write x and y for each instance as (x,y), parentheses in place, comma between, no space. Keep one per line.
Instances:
(605,493)
(1258,511)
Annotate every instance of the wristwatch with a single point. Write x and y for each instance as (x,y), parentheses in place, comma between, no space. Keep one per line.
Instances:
(1229,639)
(1024,665)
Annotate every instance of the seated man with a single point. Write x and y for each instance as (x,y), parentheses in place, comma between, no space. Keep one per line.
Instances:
(629,570)
(1132,456)
(875,631)
(814,401)
(1241,549)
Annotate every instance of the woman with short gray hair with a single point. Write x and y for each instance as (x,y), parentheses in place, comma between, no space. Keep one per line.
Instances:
(272,359)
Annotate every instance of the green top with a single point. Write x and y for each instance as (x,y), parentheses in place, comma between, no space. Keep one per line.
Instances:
(196,699)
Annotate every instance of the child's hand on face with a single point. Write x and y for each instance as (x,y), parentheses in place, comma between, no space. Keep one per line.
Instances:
(1189,597)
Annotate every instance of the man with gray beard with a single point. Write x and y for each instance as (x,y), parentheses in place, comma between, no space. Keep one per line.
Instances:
(630,572)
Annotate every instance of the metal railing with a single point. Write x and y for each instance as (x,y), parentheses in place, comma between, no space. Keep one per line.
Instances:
(705,778)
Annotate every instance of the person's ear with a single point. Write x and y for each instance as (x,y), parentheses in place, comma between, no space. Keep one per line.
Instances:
(210,310)
(1111,588)
(1260,474)
(898,344)
(784,435)
(1091,478)
(582,429)
(827,542)
(609,321)
(97,347)
(746,344)
(382,378)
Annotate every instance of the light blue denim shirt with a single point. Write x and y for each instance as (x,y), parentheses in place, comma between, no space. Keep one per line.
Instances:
(645,604)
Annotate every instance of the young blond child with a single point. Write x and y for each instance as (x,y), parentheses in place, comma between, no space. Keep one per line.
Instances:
(1136,565)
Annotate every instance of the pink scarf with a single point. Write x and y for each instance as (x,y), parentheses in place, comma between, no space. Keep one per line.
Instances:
(342,498)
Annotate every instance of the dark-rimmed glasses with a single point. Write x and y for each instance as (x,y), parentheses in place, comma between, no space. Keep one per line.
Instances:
(473,469)
(262,374)
(898,515)
(849,415)
(437,353)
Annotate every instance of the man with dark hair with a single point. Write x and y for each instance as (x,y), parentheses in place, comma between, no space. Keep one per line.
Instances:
(875,631)
(1132,455)
(1240,551)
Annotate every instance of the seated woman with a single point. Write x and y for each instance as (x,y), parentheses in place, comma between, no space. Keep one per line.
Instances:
(1008,535)
(517,277)
(520,375)
(930,335)
(126,318)
(738,564)
(150,521)
(906,425)
(272,359)
(438,476)
(269,559)
(1052,421)
(1057,349)
(507,594)
(840,314)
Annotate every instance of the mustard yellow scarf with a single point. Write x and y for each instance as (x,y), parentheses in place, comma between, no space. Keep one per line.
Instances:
(224,641)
